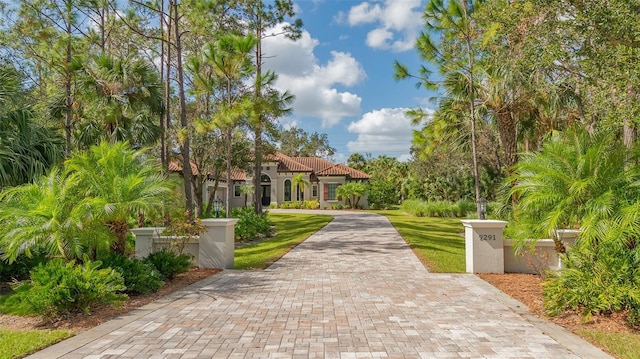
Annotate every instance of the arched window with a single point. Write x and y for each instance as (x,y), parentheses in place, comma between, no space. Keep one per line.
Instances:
(265,178)
(287,190)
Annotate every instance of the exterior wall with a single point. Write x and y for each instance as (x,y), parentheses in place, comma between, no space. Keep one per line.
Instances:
(282,177)
(325,203)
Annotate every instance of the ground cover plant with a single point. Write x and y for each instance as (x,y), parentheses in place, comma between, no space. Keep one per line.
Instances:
(291,229)
(438,242)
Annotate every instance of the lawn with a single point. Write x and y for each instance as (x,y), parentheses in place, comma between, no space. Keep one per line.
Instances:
(17,344)
(291,230)
(438,242)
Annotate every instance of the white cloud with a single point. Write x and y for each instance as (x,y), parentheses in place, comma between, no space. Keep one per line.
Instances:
(314,84)
(386,130)
(398,23)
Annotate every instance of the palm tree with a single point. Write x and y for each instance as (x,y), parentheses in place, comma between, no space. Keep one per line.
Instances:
(27,150)
(49,214)
(577,180)
(299,182)
(121,99)
(119,183)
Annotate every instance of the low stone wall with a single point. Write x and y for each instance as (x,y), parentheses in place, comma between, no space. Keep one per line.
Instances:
(213,249)
(525,260)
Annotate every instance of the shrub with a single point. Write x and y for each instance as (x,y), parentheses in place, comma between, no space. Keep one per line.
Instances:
(601,279)
(419,208)
(337,206)
(312,204)
(382,194)
(139,276)
(250,225)
(60,287)
(169,263)
(20,268)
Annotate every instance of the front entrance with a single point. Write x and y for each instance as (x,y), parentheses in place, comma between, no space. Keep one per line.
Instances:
(265,185)
(266,194)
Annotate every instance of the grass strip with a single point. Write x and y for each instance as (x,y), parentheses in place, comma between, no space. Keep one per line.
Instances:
(621,345)
(436,241)
(291,229)
(18,344)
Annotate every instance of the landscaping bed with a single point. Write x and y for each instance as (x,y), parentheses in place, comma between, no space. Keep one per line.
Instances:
(81,322)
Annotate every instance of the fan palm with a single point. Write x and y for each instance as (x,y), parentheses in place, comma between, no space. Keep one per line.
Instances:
(27,150)
(119,183)
(121,101)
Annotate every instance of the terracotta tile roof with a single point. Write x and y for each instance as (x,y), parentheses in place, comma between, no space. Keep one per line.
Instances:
(176,166)
(289,164)
(316,163)
(236,174)
(343,170)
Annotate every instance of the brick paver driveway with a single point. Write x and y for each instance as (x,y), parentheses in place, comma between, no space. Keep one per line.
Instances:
(352,290)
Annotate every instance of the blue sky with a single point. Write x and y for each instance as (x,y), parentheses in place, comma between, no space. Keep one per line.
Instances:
(341,72)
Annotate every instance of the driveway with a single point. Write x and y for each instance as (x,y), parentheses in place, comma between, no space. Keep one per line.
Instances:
(352,290)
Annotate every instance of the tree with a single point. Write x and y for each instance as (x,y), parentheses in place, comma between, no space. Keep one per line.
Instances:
(121,98)
(299,182)
(352,192)
(577,181)
(119,183)
(296,142)
(449,45)
(271,105)
(27,149)
(51,214)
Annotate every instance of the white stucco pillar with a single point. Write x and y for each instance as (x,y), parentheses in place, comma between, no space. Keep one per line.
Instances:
(484,247)
(217,244)
(144,240)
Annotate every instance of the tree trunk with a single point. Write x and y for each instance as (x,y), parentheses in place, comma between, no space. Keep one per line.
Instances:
(257,170)
(508,138)
(184,148)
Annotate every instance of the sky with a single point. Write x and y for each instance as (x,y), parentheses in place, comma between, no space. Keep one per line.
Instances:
(341,72)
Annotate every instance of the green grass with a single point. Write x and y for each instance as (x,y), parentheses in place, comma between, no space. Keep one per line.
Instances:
(621,345)
(291,230)
(436,241)
(18,344)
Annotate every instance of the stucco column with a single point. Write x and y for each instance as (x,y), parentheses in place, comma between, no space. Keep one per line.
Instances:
(484,247)
(144,240)
(217,244)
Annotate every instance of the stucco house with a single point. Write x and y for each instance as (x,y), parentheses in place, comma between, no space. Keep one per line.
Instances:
(278,186)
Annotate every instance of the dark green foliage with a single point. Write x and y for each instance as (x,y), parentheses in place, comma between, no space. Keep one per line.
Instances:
(19,270)
(438,208)
(169,263)
(139,276)
(250,225)
(60,287)
(600,279)
(382,194)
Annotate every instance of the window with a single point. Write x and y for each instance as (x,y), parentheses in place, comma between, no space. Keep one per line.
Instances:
(265,178)
(314,191)
(236,190)
(332,191)
(287,191)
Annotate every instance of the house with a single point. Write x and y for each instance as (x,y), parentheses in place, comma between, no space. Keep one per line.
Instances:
(279,182)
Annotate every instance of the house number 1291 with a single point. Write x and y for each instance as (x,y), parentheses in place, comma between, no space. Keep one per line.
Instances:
(487,237)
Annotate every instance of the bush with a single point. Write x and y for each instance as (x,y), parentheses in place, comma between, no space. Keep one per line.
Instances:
(312,204)
(169,263)
(19,270)
(139,276)
(601,279)
(250,225)
(419,208)
(60,287)
(382,194)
